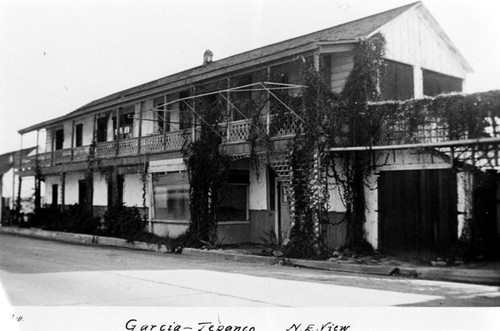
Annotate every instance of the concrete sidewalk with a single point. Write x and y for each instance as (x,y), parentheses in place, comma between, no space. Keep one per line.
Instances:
(482,275)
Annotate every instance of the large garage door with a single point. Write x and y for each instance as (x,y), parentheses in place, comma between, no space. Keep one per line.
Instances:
(417,211)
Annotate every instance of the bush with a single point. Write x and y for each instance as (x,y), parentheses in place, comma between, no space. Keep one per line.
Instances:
(50,218)
(74,219)
(124,222)
(80,220)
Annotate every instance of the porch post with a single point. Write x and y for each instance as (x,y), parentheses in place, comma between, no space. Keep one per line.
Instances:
(72,138)
(268,103)
(316,61)
(164,132)
(37,174)
(63,191)
(117,138)
(93,143)
(52,145)
(141,109)
(20,180)
(228,109)
(193,122)
(151,202)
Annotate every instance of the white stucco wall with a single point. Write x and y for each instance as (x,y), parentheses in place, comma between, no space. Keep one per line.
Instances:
(67,127)
(100,190)
(110,132)
(147,118)
(133,189)
(88,130)
(258,196)
(71,187)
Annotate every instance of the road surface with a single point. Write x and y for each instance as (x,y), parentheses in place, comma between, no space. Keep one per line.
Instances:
(35,272)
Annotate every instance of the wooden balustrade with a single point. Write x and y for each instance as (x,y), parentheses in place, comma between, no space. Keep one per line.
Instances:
(234,132)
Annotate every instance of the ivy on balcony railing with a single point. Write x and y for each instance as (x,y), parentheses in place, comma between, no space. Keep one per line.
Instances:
(447,117)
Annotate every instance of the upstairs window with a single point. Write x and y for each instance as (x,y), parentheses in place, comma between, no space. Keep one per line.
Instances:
(162,116)
(102,129)
(59,139)
(397,81)
(185,117)
(436,83)
(78,135)
(126,123)
(241,99)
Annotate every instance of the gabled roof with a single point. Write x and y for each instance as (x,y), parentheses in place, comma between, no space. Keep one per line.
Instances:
(7,159)
(350,31)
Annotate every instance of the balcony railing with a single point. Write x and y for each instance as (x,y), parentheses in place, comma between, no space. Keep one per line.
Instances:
(233,132)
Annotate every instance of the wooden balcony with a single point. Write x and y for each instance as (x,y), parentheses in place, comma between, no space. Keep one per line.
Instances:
(236,132)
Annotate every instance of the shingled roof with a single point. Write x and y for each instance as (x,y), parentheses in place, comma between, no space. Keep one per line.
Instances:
(350,31)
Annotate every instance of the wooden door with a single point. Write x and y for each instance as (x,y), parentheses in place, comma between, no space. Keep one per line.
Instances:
(417,211)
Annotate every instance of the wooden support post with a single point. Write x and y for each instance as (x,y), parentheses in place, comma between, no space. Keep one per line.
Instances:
(452,156)
(141,109)
(52,146)
(37,143)
(316,61)
(20,181)
(117,138)
(63,191)
(37,174)
(228,109)
(268,102)
(193,121)
(151,202)
(164,138)
(72,139)
(165,113)
(93,143)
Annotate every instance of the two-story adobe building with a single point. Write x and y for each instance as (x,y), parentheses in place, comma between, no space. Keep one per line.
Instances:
(132,140)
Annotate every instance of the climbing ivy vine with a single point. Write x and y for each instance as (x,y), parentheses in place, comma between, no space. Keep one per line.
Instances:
(323,119)
(207,168)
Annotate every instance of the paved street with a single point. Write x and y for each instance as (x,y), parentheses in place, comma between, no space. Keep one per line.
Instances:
(35,272)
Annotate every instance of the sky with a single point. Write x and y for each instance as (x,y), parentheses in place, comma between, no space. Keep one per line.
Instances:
(57,55)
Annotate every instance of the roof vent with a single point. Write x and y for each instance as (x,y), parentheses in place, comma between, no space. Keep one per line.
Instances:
(207,56)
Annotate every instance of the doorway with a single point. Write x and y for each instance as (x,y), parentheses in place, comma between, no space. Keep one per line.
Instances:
(417,211)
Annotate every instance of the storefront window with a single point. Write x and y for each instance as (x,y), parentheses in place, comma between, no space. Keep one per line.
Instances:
(171,196)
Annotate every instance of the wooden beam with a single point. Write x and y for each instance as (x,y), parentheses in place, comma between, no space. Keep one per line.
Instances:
(465,142)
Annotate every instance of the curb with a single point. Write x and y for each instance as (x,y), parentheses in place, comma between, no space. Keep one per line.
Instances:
(462,275)
(230,256)
(86,239)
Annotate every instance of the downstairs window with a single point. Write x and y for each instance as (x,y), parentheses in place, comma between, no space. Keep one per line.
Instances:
(171,196)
